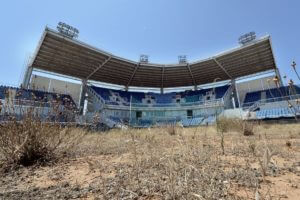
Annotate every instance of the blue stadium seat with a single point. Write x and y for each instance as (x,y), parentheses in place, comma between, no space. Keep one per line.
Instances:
(192,122)
(209,120)
(161,100)
(272,95)
(273,113)
(37,96)
(251,98)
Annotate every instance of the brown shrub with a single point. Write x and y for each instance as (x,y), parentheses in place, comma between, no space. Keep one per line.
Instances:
(234,124)
(171,129)
(248,128)
(31,140)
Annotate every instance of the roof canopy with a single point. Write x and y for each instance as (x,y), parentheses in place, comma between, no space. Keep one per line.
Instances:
(70,57)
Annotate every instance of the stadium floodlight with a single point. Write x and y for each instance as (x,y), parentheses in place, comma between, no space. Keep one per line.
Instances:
(144,58)
(182,59)
(246,38)
(67,30)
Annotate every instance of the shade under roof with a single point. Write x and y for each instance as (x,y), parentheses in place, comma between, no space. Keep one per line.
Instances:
(59,54)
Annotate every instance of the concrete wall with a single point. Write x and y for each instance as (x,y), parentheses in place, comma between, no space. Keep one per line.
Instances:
(57,86)
(254,85)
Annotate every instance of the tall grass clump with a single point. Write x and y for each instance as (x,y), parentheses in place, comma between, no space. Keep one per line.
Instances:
(31,140)
(235,124)
(171,129)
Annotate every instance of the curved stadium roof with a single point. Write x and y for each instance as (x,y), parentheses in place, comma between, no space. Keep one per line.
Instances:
(59,54)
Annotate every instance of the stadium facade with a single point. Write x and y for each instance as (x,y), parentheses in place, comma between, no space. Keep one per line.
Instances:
(235,83)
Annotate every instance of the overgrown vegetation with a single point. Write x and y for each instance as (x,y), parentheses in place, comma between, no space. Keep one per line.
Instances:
(31,140)
(244,127)
(156,163)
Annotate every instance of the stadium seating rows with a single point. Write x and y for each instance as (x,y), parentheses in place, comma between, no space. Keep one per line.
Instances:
(251,98)
(272,95)
(192,122)
(36,96)
(273,113)
(195,121)
(209,120)
(118,97)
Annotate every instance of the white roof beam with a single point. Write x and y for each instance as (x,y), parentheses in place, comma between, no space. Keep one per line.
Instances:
(133,74)
(191,74)
(99,67)
(219,64)
(162,78)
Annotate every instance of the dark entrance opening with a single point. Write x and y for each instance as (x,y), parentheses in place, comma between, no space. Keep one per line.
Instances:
(138,114)
(189,113)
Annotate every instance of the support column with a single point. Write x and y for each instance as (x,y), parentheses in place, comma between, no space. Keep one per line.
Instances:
(162,79)
(82,95)
(279,77)
(27,76)
(235,94)
(192,76)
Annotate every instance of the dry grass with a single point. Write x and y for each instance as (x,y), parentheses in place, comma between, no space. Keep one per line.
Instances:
(157,164)
(32,141)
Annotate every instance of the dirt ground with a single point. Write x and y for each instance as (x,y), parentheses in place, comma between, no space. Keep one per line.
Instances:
(168,163)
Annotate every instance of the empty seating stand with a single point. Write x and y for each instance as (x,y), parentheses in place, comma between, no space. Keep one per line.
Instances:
(160,100)
(209,120)
(192,122)
(272,95)
(251,98)
(273,113)
(40,97)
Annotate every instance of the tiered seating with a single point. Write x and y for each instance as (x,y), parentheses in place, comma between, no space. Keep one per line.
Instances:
(193,96)
(192,122)
(251,98)
(158,99)
(145,122)
(106,94)
(272,95)
(273,113)
(191,99)
(36,96)
(103,92)
(163,98)
(163,122)
(220,91)
(209,120)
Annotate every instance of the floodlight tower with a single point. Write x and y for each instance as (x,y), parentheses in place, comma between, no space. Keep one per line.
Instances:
(182,59)
(247,38)
(67,30)
(144,58)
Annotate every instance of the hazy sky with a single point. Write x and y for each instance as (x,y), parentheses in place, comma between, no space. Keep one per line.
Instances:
(163,29)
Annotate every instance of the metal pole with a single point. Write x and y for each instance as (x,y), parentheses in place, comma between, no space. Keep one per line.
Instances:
(130,109)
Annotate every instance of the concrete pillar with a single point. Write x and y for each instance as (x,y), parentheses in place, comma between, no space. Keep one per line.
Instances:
(161,90)
(27,76)
(82,95)
(279,77)
(235,94)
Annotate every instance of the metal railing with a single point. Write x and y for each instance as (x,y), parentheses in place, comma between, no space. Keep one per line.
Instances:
(204,103)
(270,100)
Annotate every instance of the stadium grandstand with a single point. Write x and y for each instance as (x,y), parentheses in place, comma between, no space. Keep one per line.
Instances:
(241,82)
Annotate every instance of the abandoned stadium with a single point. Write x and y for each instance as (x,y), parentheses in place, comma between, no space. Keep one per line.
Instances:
(242,82)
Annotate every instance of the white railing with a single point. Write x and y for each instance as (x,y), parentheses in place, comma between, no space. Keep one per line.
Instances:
(216,102)
(92,91)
